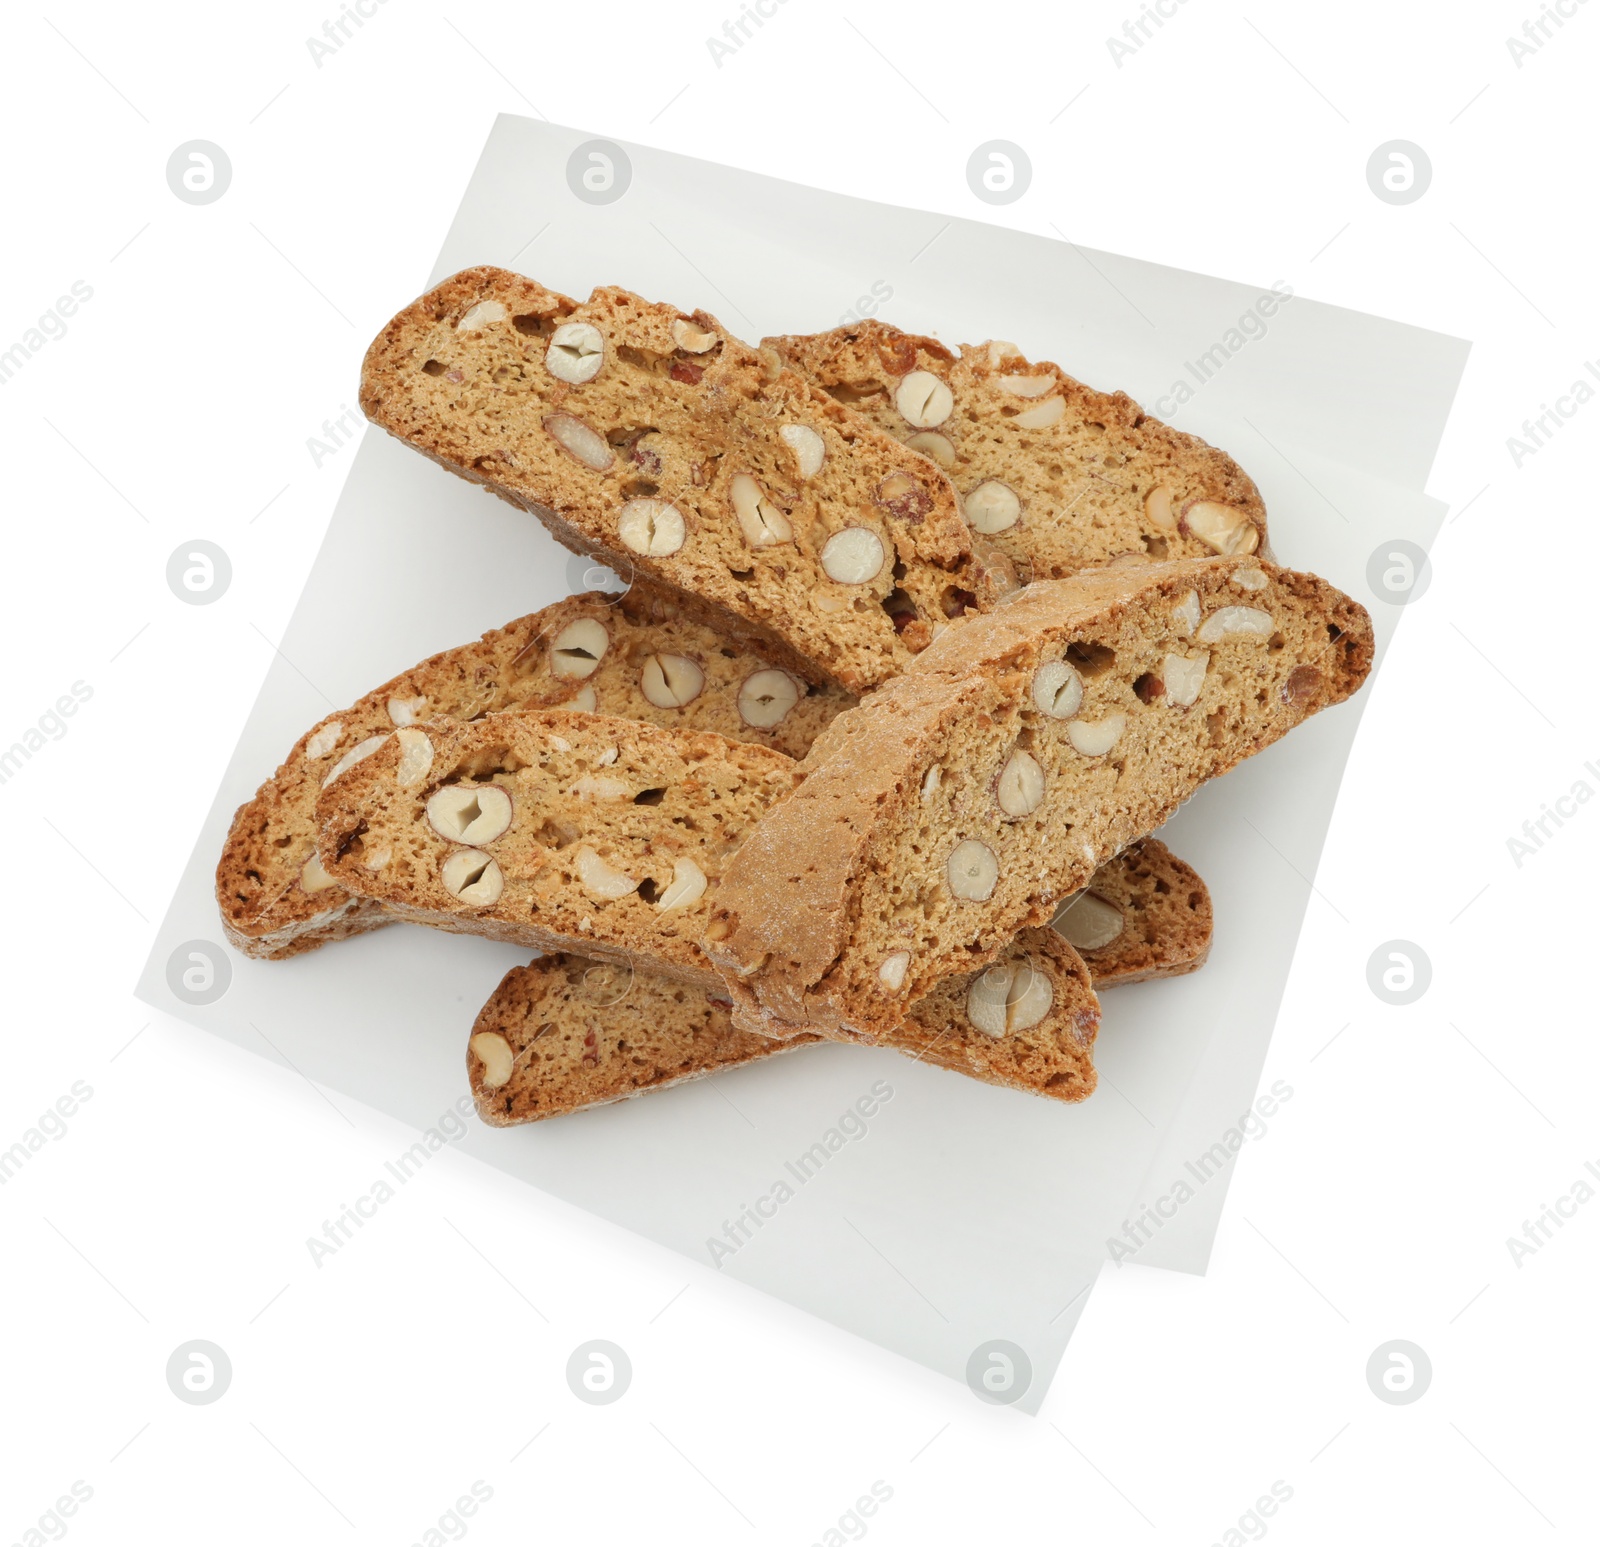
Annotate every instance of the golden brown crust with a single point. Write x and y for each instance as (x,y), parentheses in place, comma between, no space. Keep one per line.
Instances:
(677,424)
(1084,485)
(858,862)
(265,910)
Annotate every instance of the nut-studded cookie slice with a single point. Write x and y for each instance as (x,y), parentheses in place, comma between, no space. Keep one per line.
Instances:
(637,655)
(552,828)
(966,799)
(1062,478)
(658,441)
(566,1033)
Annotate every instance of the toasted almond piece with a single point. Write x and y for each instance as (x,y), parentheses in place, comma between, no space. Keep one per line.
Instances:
(892,970)
(1020,786)
(313,878)
(671,681)
(1001,349)
(992,507)
(1220,527)
(581,440)
(584,699)
(353,756)
(576,651)
(651,527)
(1186,613)
(687,888)
(1249,578)
(972,870)
(1009,997)
(324,739)
(1184,676)
(576,353)
(765,697)
(690,337)
(473,876)
(406,711)
(601,880)
(1025,386)
(1087,922)
(1057,690)
(853,556)
(1235,623)
(416,756)
(808,447)
(469,813)
(923,400)
(904,496)
(931,781)
(494,1053)
(1301,686)
(763,524)
(1158,507)
(1094,738)
(932,444)
(481,315)
(1042,415)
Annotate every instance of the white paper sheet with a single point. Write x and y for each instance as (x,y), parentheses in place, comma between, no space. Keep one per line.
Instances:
(965,1213)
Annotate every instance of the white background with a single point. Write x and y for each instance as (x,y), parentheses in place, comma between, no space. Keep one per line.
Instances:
(370,1394)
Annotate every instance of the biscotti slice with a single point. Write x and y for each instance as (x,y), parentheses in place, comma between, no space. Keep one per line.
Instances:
(964,800)
(552,828)
(1145,914)
(1062,478)
(657,441)
(639,655)
(566,1033)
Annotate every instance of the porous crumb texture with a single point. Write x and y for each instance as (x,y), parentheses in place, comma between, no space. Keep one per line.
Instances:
(554,829)
(640,655)
(1145,914)
(566,1032)
(656,440)
(964,800)
(1060,477)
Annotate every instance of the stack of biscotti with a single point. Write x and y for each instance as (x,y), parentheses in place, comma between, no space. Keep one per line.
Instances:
(958,805)
(809,507)
(615,781)
(638,655)
(566,1032)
